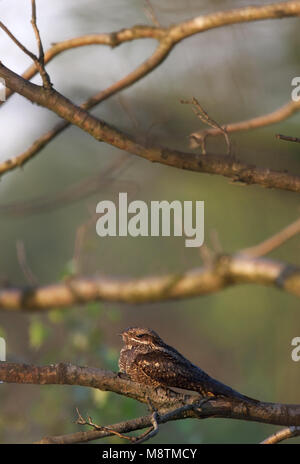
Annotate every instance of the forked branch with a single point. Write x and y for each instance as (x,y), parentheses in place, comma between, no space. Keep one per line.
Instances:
(219,272)
(170,405)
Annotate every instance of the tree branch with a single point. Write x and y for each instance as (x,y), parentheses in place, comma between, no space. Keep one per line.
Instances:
(168,38)
(223,272)
(39,61)
(289,432)
(273,242)
(169,404)
(174,34)
(197,138)
(83,437)
(104,180)
(288,138)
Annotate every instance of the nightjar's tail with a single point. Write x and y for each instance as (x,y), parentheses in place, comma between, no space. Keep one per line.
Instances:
(212,387)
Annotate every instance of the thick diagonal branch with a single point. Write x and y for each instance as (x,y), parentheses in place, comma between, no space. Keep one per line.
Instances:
(164,400)
(100,130)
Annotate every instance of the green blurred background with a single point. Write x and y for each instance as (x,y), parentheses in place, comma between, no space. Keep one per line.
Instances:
(242,335)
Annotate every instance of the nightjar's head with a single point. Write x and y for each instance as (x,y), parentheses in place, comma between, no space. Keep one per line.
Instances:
(136,336)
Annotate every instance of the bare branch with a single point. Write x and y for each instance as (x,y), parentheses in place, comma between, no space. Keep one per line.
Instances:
(273,242)
(109,430)
(113,429)
(289,432)
(36,31)
(168,38)
(288,138)
(218,272)
(149,11)
(171,405)
(196,138)
(225,271)
(16,41)
(21,254)
(206,119)
(151,421)
(112,39)
(176,33)
(145,68)
(83,437)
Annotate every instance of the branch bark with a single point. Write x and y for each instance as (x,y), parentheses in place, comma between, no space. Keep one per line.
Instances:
(171,36)
(277,437)
(170,405)
(168,38)
(223,272)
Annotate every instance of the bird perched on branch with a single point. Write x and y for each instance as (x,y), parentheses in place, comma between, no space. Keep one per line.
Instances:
(148,360)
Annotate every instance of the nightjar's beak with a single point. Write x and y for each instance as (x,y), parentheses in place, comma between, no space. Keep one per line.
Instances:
(121,334)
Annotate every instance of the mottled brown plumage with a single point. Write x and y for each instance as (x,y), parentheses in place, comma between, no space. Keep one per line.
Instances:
(146,359)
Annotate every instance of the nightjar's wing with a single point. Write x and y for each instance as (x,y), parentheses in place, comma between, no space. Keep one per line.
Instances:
(164,369)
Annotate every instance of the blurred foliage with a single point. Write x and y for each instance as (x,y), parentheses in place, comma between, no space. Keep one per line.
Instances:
(38,333)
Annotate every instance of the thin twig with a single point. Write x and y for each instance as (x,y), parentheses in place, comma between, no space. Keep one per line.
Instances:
(16,41)
(171,405)
(111,431)
(37,32)
(207,255)
(206,119)
(142,70)
(44,75)
(288,138)
(39,61)
(226,271)
(149,10)
(151,432)
(82,421)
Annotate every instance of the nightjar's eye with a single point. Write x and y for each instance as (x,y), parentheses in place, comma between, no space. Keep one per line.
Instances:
(140,335)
